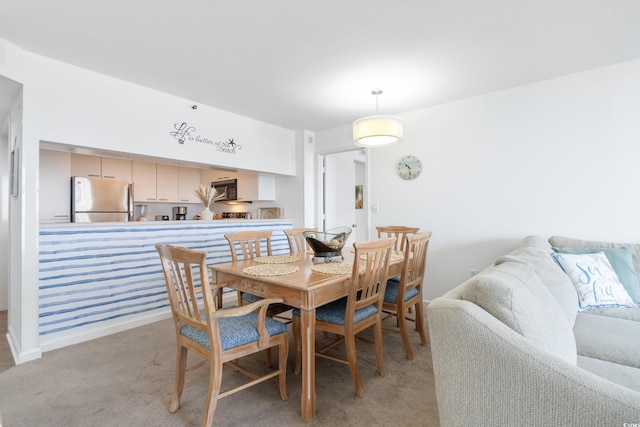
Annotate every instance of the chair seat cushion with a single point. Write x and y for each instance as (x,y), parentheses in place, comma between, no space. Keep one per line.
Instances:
(391,293)
(253,298)
(235,331)
(334,312)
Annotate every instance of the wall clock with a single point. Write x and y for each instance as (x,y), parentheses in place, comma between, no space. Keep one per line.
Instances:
(409,167)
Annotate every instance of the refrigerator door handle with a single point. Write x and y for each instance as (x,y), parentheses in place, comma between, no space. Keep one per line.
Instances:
(130,191)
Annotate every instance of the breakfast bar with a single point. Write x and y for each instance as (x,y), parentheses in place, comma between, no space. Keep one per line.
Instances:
(99,278)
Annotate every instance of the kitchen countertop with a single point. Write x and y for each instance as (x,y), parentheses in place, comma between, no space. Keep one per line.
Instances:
(189,222)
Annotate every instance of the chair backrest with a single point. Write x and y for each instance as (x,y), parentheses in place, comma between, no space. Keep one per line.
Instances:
(399,232)
(415,261)
(250,243)
(370,274)
(186,277)
(297,242)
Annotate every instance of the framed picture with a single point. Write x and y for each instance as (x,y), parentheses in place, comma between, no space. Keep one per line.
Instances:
(15,171)
(359,201)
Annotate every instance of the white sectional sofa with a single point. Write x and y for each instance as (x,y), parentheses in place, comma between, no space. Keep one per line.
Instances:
(510,346)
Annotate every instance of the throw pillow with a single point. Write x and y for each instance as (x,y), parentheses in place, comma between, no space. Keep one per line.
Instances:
(595,280)
(622,262)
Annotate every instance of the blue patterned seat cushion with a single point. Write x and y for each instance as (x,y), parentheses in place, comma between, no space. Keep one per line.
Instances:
(235,331)
(334,312)
(391,293)
(253,298)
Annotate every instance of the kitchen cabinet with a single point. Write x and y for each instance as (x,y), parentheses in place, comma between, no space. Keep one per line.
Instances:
(54,187)
(167,183)
(113,168)
(85,165)
(144,181)
(188,183)
(100,167)
(253,187)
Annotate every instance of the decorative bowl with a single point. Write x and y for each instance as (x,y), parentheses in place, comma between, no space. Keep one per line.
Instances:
(328,243)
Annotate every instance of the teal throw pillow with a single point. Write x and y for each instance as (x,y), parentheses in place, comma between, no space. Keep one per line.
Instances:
(621,262)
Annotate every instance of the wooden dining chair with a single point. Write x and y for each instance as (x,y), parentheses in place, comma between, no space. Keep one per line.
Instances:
(399,232)
(359,310)
(252,244)
(297,241)
(401,295)
(218,336)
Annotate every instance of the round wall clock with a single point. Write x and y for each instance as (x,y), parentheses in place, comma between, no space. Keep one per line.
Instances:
(409,167)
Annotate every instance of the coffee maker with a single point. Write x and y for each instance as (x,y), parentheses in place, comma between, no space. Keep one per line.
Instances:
(180,213)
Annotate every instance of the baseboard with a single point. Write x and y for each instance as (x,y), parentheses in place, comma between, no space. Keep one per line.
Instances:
(101,331)
(16,352)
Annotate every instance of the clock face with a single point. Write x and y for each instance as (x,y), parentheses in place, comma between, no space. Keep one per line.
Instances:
(409,167)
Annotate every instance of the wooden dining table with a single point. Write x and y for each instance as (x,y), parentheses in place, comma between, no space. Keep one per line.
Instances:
(304,289)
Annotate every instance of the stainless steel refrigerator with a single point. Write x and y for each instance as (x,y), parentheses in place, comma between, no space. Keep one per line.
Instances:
(101,200)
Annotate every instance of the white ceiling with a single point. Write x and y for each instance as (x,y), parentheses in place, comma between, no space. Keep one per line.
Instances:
(304,64)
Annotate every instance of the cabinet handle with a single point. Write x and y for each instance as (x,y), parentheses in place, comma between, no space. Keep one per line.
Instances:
(61,216)
(149,198)
(93,175)
(163,199)
(109,176)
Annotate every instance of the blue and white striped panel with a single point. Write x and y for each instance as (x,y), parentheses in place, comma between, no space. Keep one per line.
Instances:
(90,275)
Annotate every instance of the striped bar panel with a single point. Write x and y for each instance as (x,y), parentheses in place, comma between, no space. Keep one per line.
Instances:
(94,276)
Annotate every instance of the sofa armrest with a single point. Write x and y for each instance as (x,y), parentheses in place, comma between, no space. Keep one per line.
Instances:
(487,374)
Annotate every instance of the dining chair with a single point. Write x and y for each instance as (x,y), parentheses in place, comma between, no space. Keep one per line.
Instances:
(401,295)
(297,241)
(218,336)
(359,310)
(252,244)
(399,232)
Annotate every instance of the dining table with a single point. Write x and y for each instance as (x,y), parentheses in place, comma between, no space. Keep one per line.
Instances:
(302,281)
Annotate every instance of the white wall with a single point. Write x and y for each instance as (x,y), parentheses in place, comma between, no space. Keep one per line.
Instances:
(554,157)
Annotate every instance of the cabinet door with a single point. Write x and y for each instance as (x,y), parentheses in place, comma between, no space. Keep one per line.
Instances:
(189,182)
(256,187)
(167,181)
(86,166)
(55,186)
(116,168)
(144,181)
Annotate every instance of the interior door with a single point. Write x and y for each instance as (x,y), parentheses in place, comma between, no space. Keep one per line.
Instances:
(342,172)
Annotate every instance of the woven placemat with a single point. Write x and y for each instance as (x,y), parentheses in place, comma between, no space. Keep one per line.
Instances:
(395,256)
(270,269)
(276,259)
(333,268)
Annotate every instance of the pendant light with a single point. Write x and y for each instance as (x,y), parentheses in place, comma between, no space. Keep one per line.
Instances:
(378,130)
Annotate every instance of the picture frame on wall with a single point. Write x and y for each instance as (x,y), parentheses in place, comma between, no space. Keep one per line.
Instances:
(15,171)
(359,197)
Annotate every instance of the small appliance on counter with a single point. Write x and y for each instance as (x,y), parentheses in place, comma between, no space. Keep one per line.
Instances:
(142,212)
(162,217)
(180,213)
(236,215)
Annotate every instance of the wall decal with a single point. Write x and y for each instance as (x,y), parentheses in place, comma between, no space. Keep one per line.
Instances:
(184,133)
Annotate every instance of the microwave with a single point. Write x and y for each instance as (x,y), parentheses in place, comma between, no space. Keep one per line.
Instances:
(228,187)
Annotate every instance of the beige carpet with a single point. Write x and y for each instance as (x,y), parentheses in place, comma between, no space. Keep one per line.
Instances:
(126,379)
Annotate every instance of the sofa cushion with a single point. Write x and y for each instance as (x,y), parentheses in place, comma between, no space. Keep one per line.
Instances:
(513,293)
(568,242)
(534,252)
(626,313)
(608,338)
(623,375)
(595,280)
(622,263)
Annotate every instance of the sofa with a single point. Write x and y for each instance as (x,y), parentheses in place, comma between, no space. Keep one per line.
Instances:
(513,345)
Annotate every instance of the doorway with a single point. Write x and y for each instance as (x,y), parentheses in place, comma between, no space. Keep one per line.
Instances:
(343,193)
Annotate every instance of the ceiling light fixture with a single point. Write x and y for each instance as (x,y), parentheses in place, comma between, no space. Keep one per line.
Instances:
(378,130)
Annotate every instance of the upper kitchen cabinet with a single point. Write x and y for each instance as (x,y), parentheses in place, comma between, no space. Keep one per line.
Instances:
(116,168)
(85,165)
(144,181)
(100,167)
(167,181)
(256,187)
(188,182)
(55,187)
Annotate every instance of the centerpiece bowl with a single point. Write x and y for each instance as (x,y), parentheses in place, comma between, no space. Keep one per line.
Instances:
(327,244)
